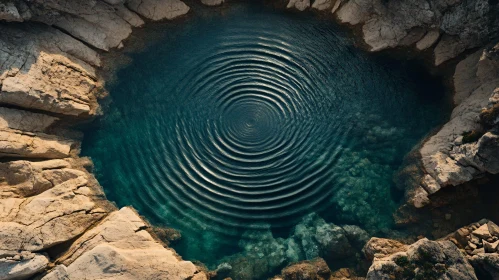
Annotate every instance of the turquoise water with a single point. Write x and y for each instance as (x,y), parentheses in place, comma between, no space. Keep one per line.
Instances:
(254,118)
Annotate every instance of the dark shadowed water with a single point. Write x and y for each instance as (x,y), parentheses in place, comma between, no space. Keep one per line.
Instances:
(258,117)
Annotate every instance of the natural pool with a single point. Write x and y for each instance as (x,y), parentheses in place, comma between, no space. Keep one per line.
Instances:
(253,119)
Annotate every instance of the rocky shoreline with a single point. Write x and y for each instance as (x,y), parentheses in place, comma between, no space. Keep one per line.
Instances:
(55,222)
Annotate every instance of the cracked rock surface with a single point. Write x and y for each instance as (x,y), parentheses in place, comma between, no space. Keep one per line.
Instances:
(55,222)
(52,210)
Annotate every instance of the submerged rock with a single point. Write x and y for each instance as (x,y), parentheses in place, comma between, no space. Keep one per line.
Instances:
(315,269)
(212,2)
(311,238)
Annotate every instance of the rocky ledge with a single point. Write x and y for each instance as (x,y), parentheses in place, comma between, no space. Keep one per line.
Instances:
(55,222)
(467,147)
(469,252)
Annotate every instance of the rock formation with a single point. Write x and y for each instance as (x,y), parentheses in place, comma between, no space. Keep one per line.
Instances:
(117,248)
(424,259)
(263,254)
(315,269)
(461,25)
(49,201)
(467,146)
(56,223)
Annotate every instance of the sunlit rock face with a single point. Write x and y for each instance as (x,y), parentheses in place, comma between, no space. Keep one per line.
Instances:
(254,119)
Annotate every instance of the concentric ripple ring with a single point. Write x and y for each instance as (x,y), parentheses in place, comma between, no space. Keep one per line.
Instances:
(232,123)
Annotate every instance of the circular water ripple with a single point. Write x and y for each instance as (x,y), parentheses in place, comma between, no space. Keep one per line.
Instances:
(247,144)
(253,119)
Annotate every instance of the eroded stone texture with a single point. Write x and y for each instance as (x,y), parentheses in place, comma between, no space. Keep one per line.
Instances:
(120,248)
(47,70)
(424,259)
(94,22)
(480,242)
(463,149)
(311,238)
(158,9)
(388,24)
(382,247)
(315,269)
(9,12)
(21,265)
(42,204)
(22,135)
(59,205)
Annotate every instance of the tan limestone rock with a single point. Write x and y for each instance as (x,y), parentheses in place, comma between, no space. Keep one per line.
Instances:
(49,203)
(124,250)
(43,70)
(158,9)
(482,232)
(21,135)
(94,22)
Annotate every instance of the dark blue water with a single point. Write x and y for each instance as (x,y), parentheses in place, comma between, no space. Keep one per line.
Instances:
(254,117)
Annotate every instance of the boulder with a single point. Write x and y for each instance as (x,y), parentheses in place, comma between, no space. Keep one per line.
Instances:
(95,22)
(486,264)
(158,9)
(22,265)
(300,5)
(490,247)
(424,259)
(462,149)
(390,24)
(493,228)
(315,269)
(120,247)
(44,70)
(50,204)
(382,247)
(21,135)
(482,232)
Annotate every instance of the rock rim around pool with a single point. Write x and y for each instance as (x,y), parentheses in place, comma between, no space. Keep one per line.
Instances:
(48,78)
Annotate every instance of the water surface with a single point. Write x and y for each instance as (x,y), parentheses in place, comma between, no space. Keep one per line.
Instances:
(257,117)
